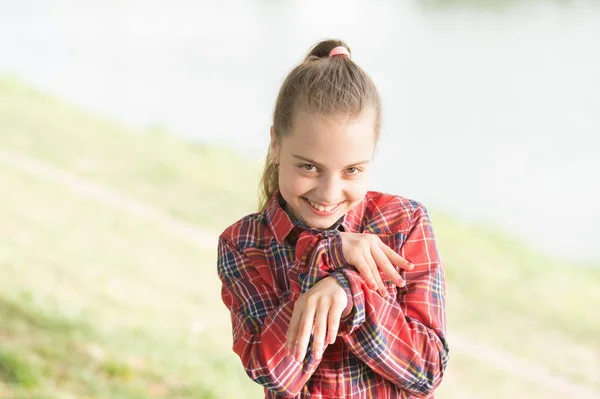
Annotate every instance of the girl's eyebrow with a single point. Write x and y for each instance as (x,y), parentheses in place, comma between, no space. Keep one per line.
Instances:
(310,161)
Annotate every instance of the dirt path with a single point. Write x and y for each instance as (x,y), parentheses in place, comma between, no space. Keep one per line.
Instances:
(495,358)
(97,192)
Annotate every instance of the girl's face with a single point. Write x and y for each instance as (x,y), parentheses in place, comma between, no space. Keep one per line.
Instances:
(324,165)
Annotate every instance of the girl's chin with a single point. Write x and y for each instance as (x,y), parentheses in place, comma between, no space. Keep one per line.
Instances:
(320,222)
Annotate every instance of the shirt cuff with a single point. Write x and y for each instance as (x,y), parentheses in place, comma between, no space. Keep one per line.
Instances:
(336,253)
(354,314)
(347,313)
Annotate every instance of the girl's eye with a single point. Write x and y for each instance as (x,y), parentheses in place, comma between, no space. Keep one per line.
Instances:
(308,167)
(352,171)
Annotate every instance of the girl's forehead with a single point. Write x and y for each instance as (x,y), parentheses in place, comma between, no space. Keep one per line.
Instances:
(332,141)
(311,126)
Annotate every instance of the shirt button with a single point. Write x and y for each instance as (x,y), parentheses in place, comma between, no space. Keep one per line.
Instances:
(336,365)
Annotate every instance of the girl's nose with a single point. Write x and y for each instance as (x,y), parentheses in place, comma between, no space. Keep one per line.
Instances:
(329,190)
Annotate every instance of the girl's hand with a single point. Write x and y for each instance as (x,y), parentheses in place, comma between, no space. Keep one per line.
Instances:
(367,253)
(320,308)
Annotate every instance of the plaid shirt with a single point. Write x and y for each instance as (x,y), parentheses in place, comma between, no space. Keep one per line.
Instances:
(392,347)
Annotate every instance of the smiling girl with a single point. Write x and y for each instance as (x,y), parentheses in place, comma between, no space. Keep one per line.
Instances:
(334,291)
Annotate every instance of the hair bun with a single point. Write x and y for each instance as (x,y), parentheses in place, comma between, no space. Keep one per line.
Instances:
(324,47)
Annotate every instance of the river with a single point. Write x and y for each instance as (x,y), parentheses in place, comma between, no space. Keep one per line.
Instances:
(491,111)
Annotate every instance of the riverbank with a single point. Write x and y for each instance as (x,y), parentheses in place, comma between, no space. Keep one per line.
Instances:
(98,301)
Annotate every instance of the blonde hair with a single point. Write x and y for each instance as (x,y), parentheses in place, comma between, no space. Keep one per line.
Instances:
(324,85)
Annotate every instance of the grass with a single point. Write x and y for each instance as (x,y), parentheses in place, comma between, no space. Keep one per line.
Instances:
(185,179)
(105,306)
(523,302)
(96,303)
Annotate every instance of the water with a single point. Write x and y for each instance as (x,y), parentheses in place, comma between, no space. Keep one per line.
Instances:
(492,113)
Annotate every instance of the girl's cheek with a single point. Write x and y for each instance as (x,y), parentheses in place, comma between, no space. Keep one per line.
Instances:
(293,184)
(358,190)
(298,183)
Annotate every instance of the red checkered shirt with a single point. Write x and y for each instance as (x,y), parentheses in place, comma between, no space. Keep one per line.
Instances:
(393,347)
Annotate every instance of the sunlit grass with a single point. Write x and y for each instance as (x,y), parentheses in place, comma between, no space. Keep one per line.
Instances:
(471,378)
(97,303)
(183,178)
(528,304)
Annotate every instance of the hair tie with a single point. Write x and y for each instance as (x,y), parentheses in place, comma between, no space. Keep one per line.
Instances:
(339,50)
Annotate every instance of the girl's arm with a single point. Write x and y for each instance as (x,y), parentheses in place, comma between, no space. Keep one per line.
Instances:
(260,317)
(403,337)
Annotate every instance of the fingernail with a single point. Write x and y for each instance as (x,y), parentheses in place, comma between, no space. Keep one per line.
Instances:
(374,286)
(410,265)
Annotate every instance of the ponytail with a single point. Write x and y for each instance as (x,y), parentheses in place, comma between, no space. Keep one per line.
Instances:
(269,181)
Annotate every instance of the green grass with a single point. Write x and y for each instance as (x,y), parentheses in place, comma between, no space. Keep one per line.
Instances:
(528,304)
(469,378)
(97,303)
(183,178)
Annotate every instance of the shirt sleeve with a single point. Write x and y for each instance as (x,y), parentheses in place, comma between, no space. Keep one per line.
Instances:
(403,337)
(260,318)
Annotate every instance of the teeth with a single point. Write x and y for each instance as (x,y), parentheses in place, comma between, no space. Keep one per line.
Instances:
(320,207)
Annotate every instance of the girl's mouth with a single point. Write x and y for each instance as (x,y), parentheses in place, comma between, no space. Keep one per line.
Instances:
(320,209)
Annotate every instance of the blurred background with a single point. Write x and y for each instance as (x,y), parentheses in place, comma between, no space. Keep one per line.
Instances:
(132,133)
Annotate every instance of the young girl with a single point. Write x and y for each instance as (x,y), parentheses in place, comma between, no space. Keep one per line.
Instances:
(334,291)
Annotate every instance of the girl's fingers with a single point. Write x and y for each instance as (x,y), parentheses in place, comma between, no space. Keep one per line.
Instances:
(395,258)
(292,332)
(320,329)
(375,272)
(333,323)
(304,331)
(386,266)
(316,312)
(366,272)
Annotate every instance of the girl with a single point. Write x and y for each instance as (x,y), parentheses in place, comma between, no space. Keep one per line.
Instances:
(334,291)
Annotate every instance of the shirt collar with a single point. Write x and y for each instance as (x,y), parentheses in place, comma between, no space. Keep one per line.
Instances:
(279,221)
(282,224)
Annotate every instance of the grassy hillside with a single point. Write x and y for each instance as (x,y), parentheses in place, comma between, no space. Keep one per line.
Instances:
(99,303)
(185,179)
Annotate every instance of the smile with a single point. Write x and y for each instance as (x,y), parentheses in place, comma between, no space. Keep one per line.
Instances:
(321,208)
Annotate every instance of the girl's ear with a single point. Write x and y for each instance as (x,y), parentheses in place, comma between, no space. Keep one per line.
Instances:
(275,147)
